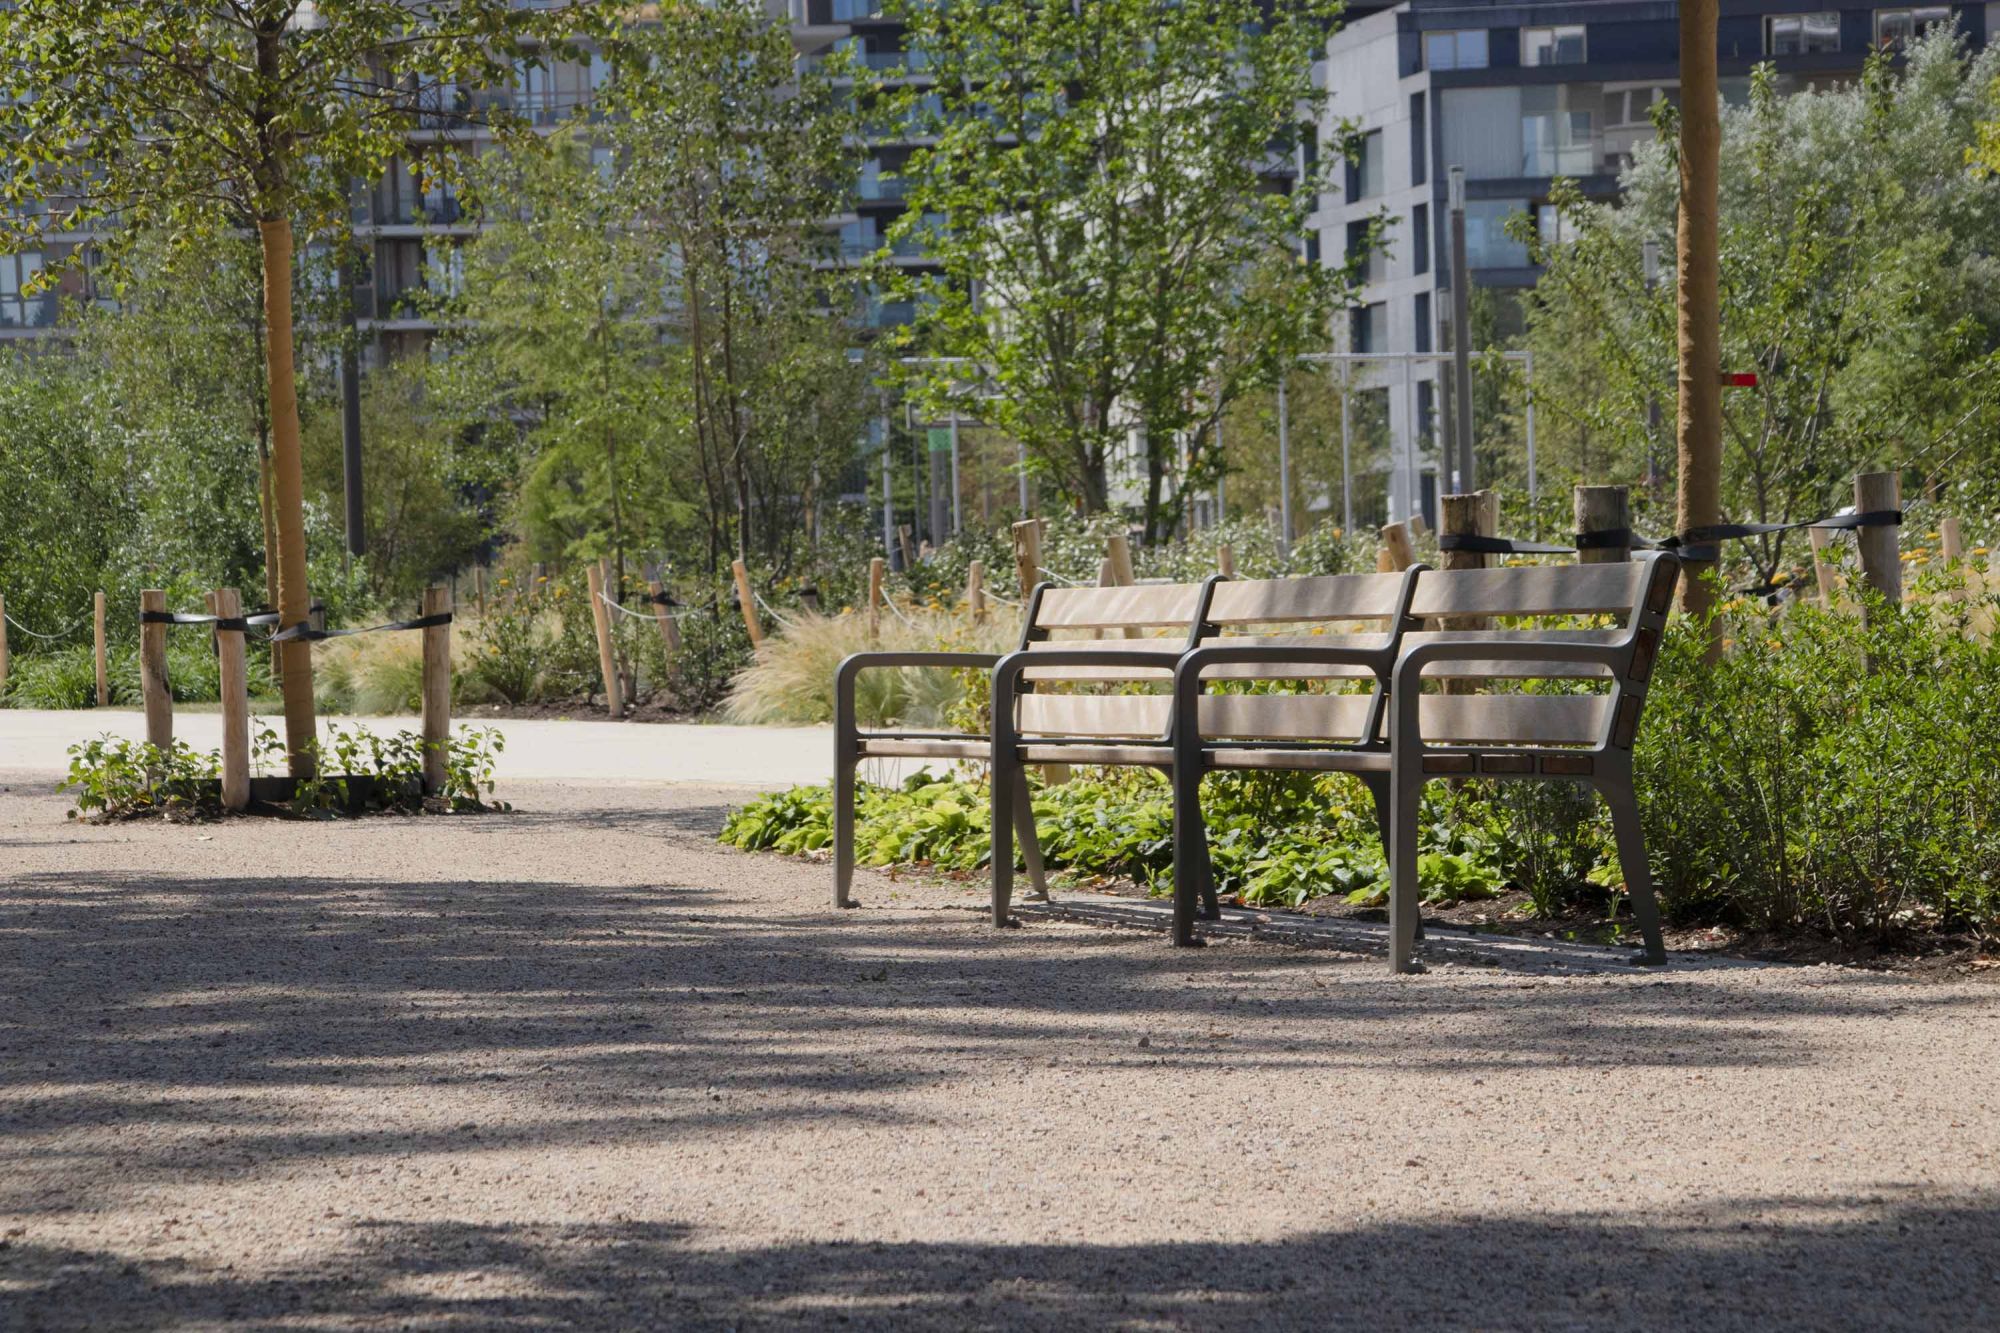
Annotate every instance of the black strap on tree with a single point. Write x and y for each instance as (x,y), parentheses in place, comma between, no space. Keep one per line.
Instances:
(662,599)
(241,624)
(311,635)
(1465,541)
(1618,539)
(1699,543)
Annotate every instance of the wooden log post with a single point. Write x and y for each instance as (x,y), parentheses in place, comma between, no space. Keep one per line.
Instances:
(3,644)
(747,600)
(670,630)
(1397,551)
(154,688)
(1476,514)
(1604,509)
(1225,561)
(975,591)
(1824,572)
(1951,545)
(1118,549)
(1881,565)
(437,688)
(607,662)
(876,568)
(908,547)
(1027,557)
(479,588)
(97,631)
(228,604)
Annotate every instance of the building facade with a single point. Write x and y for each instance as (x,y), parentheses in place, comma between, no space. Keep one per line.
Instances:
(1519,93)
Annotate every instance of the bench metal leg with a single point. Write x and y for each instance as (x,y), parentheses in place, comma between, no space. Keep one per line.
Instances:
(1405,907)
(1378,788)
(1003,837)
(1632,861)
(843,826)
(1191,866)
(1024,829)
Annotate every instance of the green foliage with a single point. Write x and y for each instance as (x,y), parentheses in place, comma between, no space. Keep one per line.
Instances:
(1091,182)
(1826,774)
(1276,840)
(1857,281)
(113,778)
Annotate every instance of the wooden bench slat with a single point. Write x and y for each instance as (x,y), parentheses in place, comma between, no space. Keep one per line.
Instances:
(1130,756)
(1326,597)
(1521,719)
(901,747)
(1286,717)
(1094,714)
(1113,608)
(1547,590)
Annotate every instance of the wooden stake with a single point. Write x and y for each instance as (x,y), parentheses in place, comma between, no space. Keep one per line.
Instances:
(1604,509)
(437,688)
(748,601)
(908,548)
(228,603)
(103,676)
(1880,565)
(670,630)
(1225,561)
(153,685)
(1951,537)
(1398,552)
(975,601)
(607,664)
(1027,556)
(1474,515)
(479,589)
(1119,551)
(876,567)
(1824,573)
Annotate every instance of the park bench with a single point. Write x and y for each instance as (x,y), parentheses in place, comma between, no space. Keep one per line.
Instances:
(1398,743)
(1141,730)
(1071,637)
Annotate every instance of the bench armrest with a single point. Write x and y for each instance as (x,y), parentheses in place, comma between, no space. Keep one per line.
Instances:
(1410,666)
(850,669)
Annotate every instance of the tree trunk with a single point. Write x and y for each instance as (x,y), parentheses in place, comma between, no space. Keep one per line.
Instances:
(1699,427)
(288,492)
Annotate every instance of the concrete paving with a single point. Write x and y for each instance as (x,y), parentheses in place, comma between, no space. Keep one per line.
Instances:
(580,1067)
(35,741)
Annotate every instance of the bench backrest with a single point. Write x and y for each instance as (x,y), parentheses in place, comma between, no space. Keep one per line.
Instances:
(1350,610)
(1612,603)
(1140,618)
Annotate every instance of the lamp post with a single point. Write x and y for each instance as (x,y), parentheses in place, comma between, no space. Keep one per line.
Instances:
(1461,329)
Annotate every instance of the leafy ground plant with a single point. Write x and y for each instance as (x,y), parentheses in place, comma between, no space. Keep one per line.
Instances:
(359,772)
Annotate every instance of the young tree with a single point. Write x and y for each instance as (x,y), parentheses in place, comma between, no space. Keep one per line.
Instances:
(729,160)
(1100,196)
(196,118)
(1855,279)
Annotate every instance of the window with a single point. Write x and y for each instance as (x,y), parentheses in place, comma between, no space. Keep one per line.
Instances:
(1364,173)
(1487,244)
(1801,34)
(16,309)
(1308,150)
(1420,141)
(1549,227)
(1420,239)
(1368,328)
(1553,46)
(1558,129)
(1896,27)
(1370,261)
(1423,318)
(1462,48)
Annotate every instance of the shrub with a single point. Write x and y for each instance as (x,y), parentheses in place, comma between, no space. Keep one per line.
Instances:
(791,680)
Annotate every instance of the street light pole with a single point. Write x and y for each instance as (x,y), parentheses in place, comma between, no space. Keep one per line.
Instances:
(1461,330)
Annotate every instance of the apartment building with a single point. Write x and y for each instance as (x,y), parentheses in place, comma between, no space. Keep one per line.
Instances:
(1518,93)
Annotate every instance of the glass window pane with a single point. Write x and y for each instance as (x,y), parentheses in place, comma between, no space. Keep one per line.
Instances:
(1472,49)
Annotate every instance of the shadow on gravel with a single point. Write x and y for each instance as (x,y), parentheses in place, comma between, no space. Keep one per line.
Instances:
(1876,1262)
(646,1014)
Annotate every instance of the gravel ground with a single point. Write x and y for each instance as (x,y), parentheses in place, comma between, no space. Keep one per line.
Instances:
(580,1067)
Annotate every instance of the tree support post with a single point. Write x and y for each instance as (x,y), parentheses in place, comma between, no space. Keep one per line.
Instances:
(437,688)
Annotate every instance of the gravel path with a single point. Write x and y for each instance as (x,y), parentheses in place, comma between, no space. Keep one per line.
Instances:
(580,1067)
